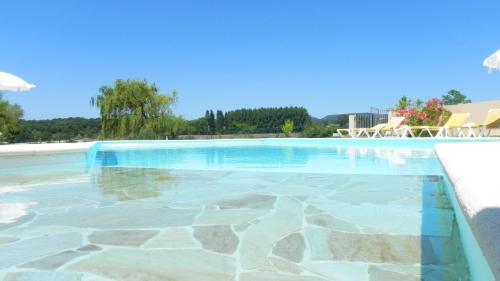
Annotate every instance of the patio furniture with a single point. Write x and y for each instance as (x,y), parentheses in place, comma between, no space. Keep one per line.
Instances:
(492,121)
(391,128)
(357,132)
(456,121)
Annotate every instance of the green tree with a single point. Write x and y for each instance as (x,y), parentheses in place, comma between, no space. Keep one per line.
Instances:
(211,122)
(267,120)
(37,135)
(196,127)
(243,128)
(404,103)
(455,97)
(10,115)
(207,117)
(174,126)
(219,123)
(419,104)
(342,120)
(320,130)
(134,109)
(66,129)
(287,128)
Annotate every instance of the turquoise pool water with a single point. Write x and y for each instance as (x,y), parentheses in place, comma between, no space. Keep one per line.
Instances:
(230,210)
(411,157)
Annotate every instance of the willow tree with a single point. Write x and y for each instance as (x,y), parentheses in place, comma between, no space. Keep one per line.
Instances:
(134,109)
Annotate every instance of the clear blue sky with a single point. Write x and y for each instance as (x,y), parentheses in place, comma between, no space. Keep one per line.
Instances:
(328,56)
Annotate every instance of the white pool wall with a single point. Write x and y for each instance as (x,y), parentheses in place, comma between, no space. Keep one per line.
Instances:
(473,170)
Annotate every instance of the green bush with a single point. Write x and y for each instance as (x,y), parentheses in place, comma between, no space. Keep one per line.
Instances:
(320,130)
(243,128)
(287,128)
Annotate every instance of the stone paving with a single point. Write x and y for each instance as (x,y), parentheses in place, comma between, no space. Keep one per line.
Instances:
(149,224)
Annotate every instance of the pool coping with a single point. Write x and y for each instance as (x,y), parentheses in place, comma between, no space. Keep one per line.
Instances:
(472,169)
(44,148)
(33,148)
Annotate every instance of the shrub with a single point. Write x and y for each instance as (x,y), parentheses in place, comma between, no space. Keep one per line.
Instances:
(320,130)
(432,114)
(287,128)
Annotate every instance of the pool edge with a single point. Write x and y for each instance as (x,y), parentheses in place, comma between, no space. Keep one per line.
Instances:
(467,167)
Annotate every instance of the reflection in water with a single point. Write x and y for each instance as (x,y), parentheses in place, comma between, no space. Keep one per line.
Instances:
(332,160)
(126,184)
(208,157)
(393,156)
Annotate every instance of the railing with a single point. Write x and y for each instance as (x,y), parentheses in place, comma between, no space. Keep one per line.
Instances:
(372,118)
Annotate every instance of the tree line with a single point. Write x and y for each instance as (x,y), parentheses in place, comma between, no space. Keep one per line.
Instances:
(257,120)
(60,129)
(136,109)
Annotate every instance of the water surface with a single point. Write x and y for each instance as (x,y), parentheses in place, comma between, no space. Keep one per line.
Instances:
(237,211)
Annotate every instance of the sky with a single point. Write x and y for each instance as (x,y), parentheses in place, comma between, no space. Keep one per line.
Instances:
(328,56)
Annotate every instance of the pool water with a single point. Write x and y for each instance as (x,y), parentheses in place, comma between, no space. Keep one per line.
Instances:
(247,211)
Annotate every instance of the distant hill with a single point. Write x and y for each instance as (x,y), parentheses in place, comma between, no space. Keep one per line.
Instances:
(332,117)
(340,119)
(328,118)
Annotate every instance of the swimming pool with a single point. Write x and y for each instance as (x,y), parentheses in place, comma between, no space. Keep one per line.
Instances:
(255,210)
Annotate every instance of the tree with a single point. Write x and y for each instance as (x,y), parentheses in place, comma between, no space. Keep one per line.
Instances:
(10,115)
(73,128)
(219,124)
(134,109)
(404,103)
(287,128)
(243,128)
(455,97)
(267,120)
(322,129)
(207,117)
(419,104)
(174,125)
(211,122)
(342,120)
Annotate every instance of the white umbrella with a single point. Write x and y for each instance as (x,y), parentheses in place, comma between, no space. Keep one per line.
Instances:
(9,82)
(493,61)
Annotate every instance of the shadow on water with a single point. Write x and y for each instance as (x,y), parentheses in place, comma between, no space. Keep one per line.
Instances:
(442,256)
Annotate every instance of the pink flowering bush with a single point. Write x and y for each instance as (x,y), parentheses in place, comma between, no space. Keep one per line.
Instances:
(432,114)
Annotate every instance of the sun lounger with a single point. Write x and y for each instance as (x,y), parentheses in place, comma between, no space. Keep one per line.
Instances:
(456,121)
(379,130)
(392,128)
(492,121)
(358,132)
(347,132)
(373,130)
